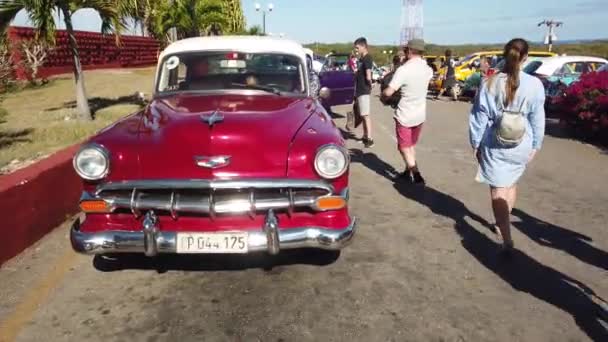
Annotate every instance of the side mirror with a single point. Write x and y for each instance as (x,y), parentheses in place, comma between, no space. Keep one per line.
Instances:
(141,98)
(324,93)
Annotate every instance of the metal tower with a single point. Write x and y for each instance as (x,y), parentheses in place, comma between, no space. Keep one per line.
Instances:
(412,23)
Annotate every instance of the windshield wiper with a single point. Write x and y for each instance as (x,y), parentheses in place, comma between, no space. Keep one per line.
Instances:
(268,89)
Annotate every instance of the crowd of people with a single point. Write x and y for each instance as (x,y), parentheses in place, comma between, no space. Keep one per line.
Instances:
(506,123)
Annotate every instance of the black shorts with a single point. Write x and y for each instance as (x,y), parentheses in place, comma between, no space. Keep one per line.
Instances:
(449,83)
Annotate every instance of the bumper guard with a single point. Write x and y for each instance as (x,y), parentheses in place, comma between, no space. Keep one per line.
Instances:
(151,241)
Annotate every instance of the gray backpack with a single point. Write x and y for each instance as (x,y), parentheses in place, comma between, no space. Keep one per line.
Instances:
(510,128)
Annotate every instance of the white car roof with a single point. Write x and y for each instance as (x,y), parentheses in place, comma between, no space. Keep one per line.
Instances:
(250,44)
(551,64)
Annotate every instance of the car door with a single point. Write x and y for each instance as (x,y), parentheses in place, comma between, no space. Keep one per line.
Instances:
(339,79)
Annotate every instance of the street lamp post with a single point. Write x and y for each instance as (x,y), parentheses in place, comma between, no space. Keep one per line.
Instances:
(259,8)
(388,54)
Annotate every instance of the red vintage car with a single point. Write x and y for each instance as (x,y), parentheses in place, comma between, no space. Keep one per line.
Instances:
(231,155)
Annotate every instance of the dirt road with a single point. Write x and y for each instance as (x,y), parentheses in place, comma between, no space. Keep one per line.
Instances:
(423,266)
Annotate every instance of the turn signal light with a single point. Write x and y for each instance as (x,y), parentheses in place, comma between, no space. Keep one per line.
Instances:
(331,203)
(94,206)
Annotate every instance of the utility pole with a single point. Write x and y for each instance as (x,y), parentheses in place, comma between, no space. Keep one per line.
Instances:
(551,25)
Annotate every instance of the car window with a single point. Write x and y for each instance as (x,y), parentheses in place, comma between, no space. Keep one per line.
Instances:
(571,68)
(212,71)
(338,62)
(603,68)
(595,66)
(531,68)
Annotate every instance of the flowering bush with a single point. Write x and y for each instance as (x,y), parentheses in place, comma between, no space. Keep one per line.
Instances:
(584,107)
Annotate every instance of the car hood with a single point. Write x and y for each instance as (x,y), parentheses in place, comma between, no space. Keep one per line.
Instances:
(254,133)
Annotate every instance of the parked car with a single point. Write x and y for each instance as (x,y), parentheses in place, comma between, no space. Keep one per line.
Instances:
(500,65)
(557,72)
(231,155)
(467,66)
(338,81)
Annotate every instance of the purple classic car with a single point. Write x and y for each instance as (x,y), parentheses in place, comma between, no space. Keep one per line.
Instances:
(337,81)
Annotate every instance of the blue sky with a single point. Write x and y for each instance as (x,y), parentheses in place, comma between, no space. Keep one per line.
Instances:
(445,21)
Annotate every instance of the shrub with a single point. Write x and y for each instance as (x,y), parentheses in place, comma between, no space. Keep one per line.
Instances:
(584,107)
(34,56)
(7,70)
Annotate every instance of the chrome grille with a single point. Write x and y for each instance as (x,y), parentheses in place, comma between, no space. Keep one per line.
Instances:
(179,197)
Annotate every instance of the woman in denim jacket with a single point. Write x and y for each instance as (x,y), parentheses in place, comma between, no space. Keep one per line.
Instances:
(502,166)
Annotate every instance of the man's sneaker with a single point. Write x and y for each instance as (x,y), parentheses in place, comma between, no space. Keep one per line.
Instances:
(406,176)
(417,178)
(368,142)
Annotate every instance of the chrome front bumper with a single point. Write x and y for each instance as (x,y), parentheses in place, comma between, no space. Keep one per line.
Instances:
(151,241)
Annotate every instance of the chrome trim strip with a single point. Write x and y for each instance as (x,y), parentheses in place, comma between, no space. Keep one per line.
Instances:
(174,184)
(166,242)
(252,208)
(211,206)
(292,203)
(133,204)
(173,201)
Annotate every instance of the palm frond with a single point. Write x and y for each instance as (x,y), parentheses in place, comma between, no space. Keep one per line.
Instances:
(40,13)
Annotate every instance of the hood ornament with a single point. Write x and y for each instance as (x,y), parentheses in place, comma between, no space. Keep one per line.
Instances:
(212,119)
(212,162)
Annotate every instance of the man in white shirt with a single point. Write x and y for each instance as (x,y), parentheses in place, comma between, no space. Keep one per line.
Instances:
(412,80)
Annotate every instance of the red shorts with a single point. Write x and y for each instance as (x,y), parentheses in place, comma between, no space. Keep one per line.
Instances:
(407,136)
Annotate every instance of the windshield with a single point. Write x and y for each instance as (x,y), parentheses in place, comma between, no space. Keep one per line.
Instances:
(212,71)
(466,60)
(337,62)
(532,67)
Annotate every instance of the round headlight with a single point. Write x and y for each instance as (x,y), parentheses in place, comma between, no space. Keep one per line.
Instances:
(331,161)
(92,162)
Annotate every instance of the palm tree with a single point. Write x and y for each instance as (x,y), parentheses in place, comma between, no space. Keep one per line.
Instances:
(190,18)
(40,13)
(234,14)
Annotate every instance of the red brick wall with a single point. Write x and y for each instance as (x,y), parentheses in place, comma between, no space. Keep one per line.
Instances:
(36,199)
(96,51)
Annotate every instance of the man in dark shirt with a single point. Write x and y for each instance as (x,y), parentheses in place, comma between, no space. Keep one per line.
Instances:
(449,81)
(363,88)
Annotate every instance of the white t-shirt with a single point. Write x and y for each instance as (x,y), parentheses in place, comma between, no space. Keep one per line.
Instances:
(413,78)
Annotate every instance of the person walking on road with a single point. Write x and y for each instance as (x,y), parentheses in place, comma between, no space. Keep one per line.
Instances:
(449,79)
(412,80)
(363,88)
(506,130)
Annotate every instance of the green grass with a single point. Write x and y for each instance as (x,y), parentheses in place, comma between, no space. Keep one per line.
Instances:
(42,120)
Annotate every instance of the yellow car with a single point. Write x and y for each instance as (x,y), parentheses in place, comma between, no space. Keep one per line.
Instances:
(467,66)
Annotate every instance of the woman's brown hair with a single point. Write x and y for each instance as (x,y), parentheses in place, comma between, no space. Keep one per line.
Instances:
(515,52)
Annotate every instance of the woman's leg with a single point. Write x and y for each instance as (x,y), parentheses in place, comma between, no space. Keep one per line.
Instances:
(500,206)
(512,197)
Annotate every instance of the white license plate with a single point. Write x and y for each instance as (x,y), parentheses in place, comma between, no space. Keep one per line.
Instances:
(219,243)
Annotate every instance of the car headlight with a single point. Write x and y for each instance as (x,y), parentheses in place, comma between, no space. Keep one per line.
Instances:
(92,162)
(331,161)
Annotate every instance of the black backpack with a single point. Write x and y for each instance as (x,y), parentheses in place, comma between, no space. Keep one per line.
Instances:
(392,101)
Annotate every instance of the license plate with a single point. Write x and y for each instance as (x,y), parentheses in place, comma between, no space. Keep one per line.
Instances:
(218,243)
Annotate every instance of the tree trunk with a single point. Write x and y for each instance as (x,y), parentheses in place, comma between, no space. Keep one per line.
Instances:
(82,102)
